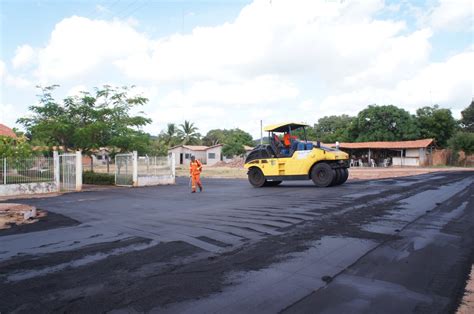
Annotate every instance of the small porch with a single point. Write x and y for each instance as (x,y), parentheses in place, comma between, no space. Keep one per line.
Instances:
(385,154)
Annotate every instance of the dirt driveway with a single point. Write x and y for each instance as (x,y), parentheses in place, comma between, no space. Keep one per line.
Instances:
(394,245)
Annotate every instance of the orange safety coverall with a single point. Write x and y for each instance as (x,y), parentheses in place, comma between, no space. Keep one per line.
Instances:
(195,168)
(287,139)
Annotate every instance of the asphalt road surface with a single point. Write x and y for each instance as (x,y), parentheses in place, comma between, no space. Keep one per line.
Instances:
(388,246)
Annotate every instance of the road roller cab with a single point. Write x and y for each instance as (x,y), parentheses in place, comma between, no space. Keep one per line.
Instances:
(285,157)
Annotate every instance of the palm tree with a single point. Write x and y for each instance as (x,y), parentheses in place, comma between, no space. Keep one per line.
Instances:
(170,134)
(188,133)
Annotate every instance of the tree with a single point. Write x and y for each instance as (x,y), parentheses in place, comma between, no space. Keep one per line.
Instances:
(188,133)
(235,141)
(214,137)
(333,128)
(467,120)
(15,148)
(437,123)
(219,136)
(462,141)
(158,147)
(233,149)
(238,136)
(89,121)
(383,123)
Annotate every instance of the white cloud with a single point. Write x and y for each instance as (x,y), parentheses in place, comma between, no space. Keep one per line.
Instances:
(101,9)
(24,56)
(281,37)
(445,83)
(3,71)
(18,82)
(9,114)
(79,45)
(274,57)
(213,104)
(76,90)
(452,15)
(7,79)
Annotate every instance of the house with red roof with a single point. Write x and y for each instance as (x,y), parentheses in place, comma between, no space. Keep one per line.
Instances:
(6,131)
(396,153)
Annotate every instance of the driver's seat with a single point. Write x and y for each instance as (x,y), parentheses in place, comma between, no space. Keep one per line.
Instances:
(276,145)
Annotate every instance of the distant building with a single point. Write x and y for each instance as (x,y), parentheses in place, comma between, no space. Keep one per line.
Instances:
(183,153)
(208,155)
(396,153)
(6,131)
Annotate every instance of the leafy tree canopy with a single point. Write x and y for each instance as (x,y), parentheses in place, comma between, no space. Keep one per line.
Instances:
(233,149)
(88,121)
(219,136)
(14,148)
(333,128)
(233,141)
(188,134)
(437,123)
(467,120)
(383,123)
(462,141)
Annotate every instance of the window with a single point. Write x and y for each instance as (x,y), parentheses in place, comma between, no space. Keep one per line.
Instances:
(187,156)
(211,155)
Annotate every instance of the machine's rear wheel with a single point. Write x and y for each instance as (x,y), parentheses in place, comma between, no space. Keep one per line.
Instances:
(337,177)
(271,183)
(322,175)
(256,177)
(345,175)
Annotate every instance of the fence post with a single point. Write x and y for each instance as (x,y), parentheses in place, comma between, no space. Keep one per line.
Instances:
(4,170)
(57,177)
(173,166)
(135,168)
(78,170)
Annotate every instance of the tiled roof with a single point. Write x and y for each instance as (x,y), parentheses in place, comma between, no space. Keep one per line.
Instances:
(192,147)
(387,145)
(6,131)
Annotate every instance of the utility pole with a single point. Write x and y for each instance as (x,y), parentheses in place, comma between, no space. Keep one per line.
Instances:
(261,132)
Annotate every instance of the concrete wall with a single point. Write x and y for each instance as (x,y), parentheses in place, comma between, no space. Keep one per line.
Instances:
(150,180)
(406,161)
(217,151)
(200,155)
(412,152)
(28,188)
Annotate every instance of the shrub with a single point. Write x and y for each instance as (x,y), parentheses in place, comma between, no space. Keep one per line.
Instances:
(90,177)
(463,141)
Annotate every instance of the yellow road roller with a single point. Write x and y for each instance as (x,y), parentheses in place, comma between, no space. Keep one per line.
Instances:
(286,157)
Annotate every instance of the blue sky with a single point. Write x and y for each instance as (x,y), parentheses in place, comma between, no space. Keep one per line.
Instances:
(225,64)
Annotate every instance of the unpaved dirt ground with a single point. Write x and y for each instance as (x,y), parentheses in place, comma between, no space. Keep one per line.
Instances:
(355,173)
(467,304)
(398,245)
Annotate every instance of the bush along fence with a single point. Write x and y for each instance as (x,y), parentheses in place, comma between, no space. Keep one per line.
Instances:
(20,176)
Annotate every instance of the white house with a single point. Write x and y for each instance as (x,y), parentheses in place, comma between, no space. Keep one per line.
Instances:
(183,153)
(208,155)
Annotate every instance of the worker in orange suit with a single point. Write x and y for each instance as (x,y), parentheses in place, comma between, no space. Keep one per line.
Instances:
(287,139)
(195,168)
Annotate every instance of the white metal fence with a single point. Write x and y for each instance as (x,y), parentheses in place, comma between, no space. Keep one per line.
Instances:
(154,167)
(124,169)
(34,175)
(132,170)
(67,172)
(26,170)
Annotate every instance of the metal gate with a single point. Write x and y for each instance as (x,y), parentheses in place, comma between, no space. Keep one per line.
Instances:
(124,169)
(67,172)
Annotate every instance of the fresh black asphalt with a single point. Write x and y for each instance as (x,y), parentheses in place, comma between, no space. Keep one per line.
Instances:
(383,246)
